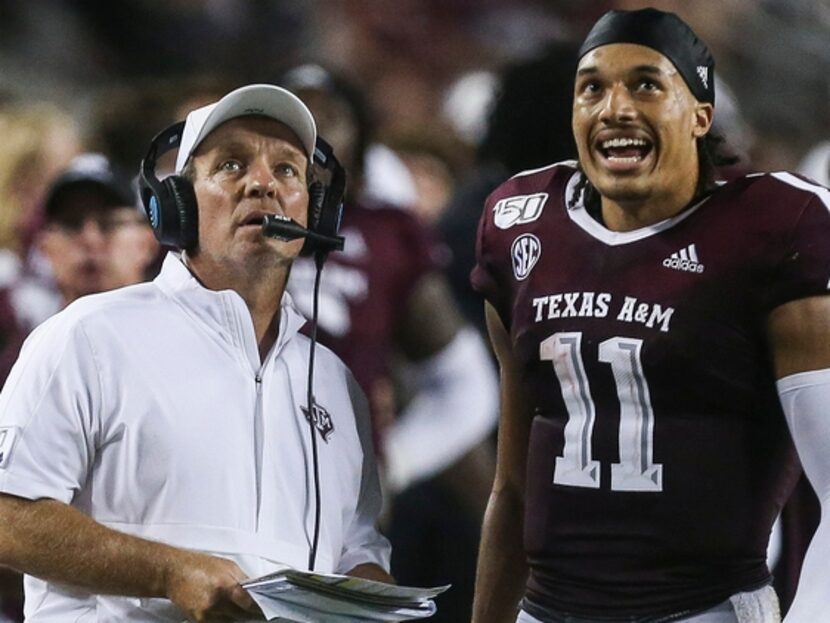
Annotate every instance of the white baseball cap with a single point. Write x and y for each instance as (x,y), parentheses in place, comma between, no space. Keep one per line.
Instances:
(254,99)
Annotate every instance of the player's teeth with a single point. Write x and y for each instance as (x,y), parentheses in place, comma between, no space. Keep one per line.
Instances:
(623,142)
(626,159)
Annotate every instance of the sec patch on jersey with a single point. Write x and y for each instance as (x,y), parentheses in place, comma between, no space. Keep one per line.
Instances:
(525,252)
(518,210)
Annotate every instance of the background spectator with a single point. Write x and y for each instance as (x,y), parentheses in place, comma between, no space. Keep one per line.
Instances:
(94,237)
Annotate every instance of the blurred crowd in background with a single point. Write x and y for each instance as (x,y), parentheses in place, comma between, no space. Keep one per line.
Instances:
(456,96)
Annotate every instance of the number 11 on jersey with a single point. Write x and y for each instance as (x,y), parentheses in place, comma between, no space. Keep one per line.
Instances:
(636,470)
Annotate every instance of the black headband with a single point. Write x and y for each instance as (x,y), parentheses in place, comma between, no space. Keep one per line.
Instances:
(667,34)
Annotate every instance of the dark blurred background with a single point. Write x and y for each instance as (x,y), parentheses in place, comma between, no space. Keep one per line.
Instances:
(110,63)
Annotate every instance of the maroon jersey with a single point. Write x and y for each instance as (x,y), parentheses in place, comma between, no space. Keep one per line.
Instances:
(12,334)
(365,288)
(659,456)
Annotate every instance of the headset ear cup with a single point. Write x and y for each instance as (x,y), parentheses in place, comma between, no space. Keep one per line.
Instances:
(325,196)
(330,213)
(170,203)
(180,224)
(316,197)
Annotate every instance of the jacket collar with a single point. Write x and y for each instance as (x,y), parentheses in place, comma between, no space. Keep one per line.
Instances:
(223,310)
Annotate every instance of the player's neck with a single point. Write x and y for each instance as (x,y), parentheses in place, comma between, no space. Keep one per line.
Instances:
(636,213)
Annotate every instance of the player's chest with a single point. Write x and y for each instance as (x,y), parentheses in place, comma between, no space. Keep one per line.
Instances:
(675,291)
(560,275)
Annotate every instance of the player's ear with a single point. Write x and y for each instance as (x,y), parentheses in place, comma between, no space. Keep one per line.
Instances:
(704,112)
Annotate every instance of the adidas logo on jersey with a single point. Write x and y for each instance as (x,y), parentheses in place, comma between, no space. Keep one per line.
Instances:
(685,259)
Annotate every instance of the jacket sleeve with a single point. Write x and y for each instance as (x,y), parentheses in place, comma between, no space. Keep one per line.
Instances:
(48,412)
(363,542)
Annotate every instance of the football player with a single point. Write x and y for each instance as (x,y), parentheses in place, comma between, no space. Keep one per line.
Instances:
(657,332)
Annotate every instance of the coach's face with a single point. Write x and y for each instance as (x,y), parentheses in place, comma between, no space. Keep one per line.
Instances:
(636,123)
(244,169)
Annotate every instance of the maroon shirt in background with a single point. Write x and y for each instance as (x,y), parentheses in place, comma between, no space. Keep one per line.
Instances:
(650,346)
(12,334)
(365,288)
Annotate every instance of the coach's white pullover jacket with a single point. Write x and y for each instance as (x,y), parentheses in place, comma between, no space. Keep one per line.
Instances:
(148,409)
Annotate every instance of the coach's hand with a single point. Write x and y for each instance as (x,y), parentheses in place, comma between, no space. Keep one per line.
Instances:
(207,589)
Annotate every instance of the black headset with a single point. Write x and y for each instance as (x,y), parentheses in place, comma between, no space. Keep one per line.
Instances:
(172,210)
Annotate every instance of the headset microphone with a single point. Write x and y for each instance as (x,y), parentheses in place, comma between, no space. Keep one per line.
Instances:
(284,228)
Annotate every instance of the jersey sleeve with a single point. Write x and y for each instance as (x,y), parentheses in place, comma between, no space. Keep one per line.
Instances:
(804,268)
(48,410)
(485,276)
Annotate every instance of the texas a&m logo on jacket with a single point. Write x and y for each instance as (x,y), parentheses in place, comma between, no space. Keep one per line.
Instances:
(321,420)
